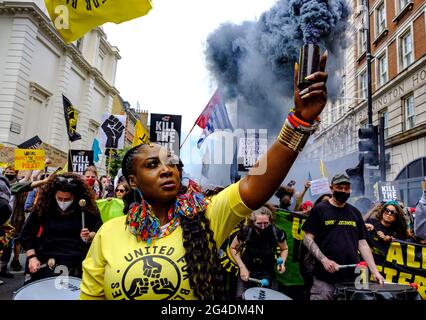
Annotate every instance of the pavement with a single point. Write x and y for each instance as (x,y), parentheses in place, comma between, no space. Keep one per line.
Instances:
(9,286)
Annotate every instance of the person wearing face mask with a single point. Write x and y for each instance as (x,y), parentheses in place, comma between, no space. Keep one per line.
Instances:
(254,250)
(90,175)
(54,233)
(334,233)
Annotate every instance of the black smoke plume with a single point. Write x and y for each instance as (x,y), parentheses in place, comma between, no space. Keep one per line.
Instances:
(254,61)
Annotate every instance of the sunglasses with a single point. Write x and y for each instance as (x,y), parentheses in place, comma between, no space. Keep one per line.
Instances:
(390,212)
(67,180)
(120,190)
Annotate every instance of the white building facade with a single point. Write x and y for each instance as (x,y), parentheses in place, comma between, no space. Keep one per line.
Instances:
(37,68)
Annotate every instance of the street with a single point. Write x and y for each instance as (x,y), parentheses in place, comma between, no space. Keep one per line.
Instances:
(9,286)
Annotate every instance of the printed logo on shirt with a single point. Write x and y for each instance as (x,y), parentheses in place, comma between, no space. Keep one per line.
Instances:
(150,272)
(340,223)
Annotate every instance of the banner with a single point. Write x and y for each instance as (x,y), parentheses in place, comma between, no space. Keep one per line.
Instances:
(403,263)
(70,119)
(33,143)
(291,223)
(112,131)
(165,129)
(29,159)
(79,160)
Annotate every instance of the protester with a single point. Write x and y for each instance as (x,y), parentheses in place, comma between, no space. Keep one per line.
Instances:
(285,195)
(5,212)
(121,190)
(420,220)
(166,245)
(300,196)
(66,227)
(90,174)
(254,250)
(389,224)
(334,233)
(107,187)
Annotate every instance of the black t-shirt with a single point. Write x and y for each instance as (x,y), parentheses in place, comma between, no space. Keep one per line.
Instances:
(379,247)
(259,248)
(60,236)
(337,232)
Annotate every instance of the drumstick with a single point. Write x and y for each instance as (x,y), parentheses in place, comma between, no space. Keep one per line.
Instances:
(82,204)
(262,282)
(362,264)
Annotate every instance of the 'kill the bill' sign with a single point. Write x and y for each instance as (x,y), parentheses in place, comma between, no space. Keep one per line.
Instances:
(165,129)
(80,160)
(388,191)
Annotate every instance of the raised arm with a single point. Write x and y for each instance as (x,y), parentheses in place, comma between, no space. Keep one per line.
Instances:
(271,169)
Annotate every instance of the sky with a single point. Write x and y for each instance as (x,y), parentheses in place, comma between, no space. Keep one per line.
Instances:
(163,63)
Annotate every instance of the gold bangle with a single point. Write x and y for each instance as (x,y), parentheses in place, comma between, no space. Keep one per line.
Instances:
(294,140)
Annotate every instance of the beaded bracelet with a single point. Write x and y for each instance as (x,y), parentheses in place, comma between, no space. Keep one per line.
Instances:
(295,136)
(292,114)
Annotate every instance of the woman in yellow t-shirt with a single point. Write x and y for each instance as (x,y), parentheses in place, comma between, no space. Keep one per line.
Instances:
(165,247)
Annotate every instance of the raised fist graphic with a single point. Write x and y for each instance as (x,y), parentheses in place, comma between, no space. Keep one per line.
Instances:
(151,268)
(113,129)
(163,286)
(138,287)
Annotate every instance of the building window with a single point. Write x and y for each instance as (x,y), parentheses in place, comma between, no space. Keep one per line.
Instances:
(406,50)
(382,70)
(380,19)
(409,111)
(402,4)
(362,42)
(385,115)
(363,85)
(101,58)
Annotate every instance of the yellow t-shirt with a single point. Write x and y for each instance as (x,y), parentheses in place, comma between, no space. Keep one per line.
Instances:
(118,267)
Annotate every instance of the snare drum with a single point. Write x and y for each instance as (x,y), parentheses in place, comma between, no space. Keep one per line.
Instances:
(55,288)
(375,291)
(264,294)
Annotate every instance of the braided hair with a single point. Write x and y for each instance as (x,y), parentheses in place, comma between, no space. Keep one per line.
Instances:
(201,252)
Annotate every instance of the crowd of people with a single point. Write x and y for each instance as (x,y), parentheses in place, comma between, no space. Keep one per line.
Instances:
(162,240)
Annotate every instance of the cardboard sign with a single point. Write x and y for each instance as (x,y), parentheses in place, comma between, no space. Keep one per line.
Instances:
(112,131)
(388,191)
(79,160)
(251,148)
(165,129)
(320,186)
(29,159)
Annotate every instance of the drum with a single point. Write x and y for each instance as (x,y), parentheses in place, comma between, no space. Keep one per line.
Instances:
(55,288)
(259,293)
(375,291)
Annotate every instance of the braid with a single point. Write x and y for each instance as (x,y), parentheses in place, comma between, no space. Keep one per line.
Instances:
(202,258)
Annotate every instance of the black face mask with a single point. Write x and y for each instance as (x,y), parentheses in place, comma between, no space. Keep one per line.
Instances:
(264,230)
(10,177)
(341,197)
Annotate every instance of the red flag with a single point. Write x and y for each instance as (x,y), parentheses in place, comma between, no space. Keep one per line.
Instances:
(203,119)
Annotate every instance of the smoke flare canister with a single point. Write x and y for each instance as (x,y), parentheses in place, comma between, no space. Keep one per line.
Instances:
(309,62)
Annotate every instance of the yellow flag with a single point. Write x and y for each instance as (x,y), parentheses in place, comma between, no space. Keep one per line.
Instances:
(323,169)
(62,170)
(141,135)
(73,18)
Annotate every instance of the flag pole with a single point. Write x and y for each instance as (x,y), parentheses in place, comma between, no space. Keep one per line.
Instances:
(109,162)
(187,136)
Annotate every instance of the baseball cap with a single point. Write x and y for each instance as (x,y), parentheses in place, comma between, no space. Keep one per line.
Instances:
(340,178)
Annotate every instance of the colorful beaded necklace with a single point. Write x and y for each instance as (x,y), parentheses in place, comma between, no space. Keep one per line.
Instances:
(145,225)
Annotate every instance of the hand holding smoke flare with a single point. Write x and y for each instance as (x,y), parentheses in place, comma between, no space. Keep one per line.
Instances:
(253,62)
